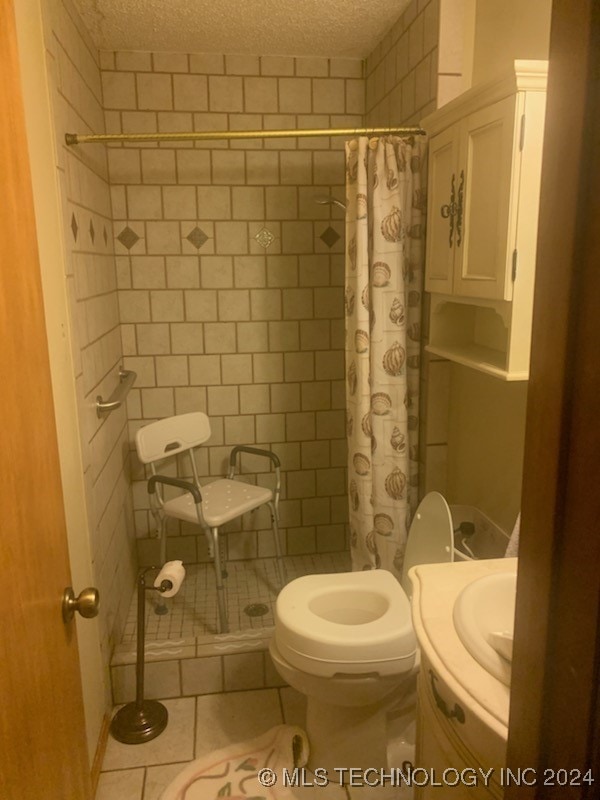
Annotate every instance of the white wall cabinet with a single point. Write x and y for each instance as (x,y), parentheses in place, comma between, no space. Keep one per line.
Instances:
(485,157)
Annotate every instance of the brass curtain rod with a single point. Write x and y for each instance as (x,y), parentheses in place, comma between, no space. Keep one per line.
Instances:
(77,138)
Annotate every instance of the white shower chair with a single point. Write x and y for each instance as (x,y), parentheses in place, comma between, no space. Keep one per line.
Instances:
(211,505)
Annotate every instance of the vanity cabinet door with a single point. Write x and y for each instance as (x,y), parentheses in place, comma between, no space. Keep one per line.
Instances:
(486,212)
(443,756)
(441,218)
(435,754)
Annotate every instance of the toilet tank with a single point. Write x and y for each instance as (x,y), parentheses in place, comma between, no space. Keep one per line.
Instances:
(485,539)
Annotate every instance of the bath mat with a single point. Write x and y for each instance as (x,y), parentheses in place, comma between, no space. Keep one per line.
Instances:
(232,772)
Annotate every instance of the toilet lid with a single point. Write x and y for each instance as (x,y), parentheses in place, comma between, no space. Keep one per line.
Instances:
(431,536)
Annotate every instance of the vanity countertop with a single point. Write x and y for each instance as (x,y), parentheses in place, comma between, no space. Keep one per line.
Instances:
(435,590)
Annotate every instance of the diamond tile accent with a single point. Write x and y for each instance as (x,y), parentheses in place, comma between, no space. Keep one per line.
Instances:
(197,237)
(329,236)
(74,226)
(127,237)
(92,231)
(264,237)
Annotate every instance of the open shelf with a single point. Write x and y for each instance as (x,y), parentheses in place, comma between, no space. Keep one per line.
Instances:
(475,333)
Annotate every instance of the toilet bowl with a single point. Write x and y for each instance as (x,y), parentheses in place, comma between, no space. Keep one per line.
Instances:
(347,642)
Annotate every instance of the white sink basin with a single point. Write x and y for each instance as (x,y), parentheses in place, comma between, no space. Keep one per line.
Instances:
(484,618)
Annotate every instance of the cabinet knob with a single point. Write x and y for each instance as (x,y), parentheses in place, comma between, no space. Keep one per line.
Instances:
(447,210)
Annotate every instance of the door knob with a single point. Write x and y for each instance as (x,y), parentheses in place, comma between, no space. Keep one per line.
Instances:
(87,603)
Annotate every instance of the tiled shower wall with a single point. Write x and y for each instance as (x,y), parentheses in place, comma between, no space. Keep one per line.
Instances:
(90,278)
(231,277)
(402,71)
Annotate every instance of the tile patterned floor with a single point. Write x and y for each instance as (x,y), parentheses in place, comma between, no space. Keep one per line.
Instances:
(203,723)
(199,725)
(193,611)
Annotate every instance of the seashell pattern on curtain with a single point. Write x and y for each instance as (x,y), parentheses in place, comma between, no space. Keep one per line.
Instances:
(384,268)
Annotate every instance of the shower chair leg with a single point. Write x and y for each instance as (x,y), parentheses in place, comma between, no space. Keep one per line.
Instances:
(278,558)
(221,607)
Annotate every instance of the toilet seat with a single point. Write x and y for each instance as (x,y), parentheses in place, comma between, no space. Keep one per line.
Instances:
(346,623)
(355,623)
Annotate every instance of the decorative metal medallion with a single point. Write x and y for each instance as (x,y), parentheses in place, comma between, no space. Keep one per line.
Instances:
(264,237)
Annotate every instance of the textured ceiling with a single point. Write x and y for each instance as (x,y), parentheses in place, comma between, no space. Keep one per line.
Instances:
(349,28)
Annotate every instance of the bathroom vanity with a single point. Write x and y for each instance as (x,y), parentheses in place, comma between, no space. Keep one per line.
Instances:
(462,717)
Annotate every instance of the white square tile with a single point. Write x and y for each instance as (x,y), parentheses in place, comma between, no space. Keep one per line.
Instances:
(161,679)
(328,96)
(170,62)
(191,92)
(157,403)
(242,65)
(163,237)
(243,670)
(175,743)
(312,66)
(179,202)
(144,202)
(202,675)
(136,62)
(127,784)
(183,272)
(225,93)
(157,780)
(214,202)
(154,92)
(118,89)
(276,65)
(207,63)
(233,717)
(261,94)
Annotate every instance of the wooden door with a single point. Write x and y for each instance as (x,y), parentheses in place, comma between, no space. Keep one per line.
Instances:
(483,250)
(443,167)
(42,733)
(555,700)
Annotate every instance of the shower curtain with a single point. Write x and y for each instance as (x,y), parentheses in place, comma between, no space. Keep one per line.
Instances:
(384,241)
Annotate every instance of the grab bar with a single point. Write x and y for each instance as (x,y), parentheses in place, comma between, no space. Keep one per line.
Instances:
(126,380)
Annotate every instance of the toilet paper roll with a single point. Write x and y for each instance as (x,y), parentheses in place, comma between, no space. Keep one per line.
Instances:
(173,571)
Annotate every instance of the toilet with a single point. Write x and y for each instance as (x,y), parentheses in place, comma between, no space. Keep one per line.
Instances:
(346,641)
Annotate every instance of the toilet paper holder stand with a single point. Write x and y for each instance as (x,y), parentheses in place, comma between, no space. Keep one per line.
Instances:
(141,720)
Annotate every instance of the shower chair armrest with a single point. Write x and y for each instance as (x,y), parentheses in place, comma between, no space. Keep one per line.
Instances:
(185,485)
(256,451)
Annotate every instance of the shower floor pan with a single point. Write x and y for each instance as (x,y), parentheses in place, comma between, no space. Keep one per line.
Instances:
(189,627)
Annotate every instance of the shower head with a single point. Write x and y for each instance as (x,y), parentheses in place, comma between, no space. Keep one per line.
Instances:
(325,199)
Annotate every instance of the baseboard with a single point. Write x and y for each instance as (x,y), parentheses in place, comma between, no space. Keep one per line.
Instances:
(100,751)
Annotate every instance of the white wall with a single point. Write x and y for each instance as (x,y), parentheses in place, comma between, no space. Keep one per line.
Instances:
(506,30)
(486,437)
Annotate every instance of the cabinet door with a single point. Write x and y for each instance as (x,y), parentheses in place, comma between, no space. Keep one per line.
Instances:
(443,162)
(486,227)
